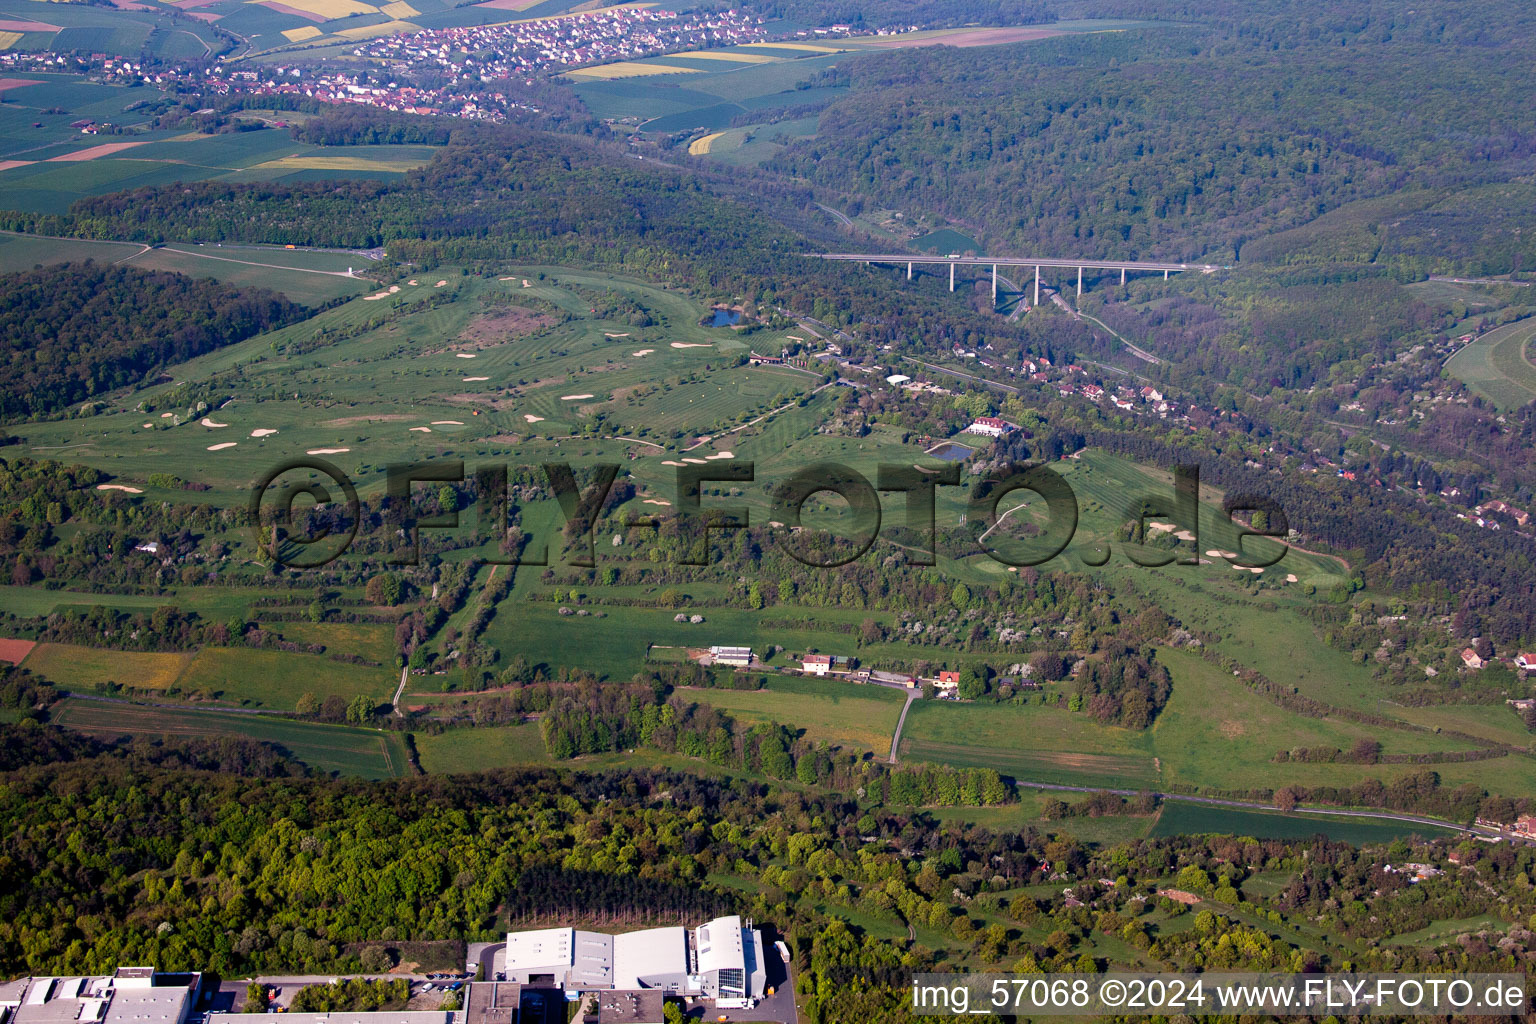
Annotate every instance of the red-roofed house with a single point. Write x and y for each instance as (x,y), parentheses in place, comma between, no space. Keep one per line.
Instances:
(1470,659)
(817,664)
(1526,661)
(991,426)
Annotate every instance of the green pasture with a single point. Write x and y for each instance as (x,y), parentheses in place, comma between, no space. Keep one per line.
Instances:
(1213,733)
(277,679)
(849,715)
(1179,818)
(459,751)
(332,749)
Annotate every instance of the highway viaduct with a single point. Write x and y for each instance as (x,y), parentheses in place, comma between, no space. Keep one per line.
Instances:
(1038,262)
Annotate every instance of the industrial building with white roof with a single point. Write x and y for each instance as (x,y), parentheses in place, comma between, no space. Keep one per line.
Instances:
(133,995)
(720,960)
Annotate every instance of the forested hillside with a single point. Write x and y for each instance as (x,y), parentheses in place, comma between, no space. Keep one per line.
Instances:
(1198,139)
(73,331)
(193,870)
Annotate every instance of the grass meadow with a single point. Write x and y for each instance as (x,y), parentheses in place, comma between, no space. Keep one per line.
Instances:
(332,749)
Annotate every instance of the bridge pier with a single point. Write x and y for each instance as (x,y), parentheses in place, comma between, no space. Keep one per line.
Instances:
(994,284)
(909,272)
(1079,282)
(951,276)
(1037,285)
(1165,275)
(1122,277)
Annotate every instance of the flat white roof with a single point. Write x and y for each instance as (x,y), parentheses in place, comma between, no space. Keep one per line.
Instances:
(642,959)
(544,949)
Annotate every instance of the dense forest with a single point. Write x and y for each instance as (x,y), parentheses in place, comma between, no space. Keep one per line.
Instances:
(73,331)
(1192,142)
(174,865)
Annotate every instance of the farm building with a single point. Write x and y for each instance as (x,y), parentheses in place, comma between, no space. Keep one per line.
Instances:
(1525,661)
(817,664)
(721,960)
(740,657)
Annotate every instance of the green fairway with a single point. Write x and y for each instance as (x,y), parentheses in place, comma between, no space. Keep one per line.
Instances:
(23,252)
(1499,365)
(333,749)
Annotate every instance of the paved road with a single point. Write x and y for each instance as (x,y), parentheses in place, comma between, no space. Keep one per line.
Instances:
(896,739)
(841,218)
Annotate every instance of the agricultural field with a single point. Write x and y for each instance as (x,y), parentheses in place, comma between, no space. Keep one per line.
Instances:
(1501,365)
(65,26)
(330,749)
(848,715)
(45,164)
(92,668)
(275,680)
(1189,744)
(705,91)
(458,751)
(1178,818)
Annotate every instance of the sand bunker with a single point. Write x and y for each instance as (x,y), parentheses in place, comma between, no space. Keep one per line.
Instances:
(573,398)
(720,455)
(447,423)
(166,415)
(471,380)
(691,344)
(205,421)
(412,282)
(149,426)
(440,284)
(221,447)
(327,451)
(607,335)
(671,462)
(118,487)
(465,355)
(531,418)
(1214,553)
(696,462)
(643,352)
(262,432)
(655,501)
(526,284)
(422,430)
(1290,577)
